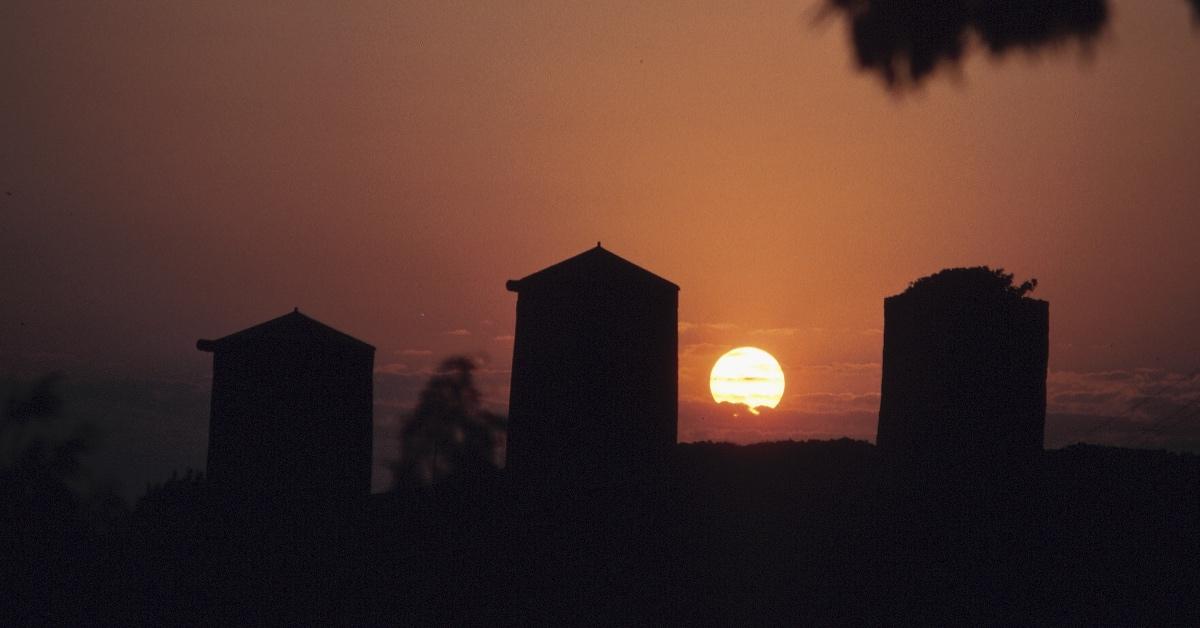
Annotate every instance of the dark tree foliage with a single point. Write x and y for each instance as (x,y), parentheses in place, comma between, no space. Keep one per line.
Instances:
(184,492)
(51,516)
(449,435)
(905,41)
(39,453)
(974,283)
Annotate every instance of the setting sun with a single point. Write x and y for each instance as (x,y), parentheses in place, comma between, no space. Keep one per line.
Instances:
(748,376)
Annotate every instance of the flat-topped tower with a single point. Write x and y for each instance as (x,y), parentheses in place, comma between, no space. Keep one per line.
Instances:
(964,370)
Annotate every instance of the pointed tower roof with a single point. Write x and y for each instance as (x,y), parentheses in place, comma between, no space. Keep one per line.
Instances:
(594,266)
(292,327)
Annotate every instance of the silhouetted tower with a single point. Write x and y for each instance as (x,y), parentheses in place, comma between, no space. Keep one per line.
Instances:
(291,411)
(595,371)
(964,371)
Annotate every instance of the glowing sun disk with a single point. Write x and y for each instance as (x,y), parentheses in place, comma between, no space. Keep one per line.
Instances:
(748,376)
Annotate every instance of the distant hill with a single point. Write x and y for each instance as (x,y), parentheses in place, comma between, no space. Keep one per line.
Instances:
(778,533)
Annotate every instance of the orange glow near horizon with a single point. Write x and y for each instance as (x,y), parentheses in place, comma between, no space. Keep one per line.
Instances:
(748,376)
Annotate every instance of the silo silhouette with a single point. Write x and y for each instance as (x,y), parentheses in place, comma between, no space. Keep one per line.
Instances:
(594,394)
(964,372)
(291,412)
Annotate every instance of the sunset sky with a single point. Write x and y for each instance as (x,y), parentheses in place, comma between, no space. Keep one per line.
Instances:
(182,170)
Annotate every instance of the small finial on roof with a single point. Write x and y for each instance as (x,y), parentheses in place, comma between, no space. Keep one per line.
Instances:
(296,310)
(597,244)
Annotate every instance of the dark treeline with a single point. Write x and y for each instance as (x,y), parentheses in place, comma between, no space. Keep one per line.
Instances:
(785,532)
(789,532)
(55,521)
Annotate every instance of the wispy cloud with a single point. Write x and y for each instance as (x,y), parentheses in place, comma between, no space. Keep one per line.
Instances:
(392,367)
(840,367)
(1152,408)
(1142,394)
(777,331)
(415,352)
(693,348)
(687,326)
(832,403)
(458,332)
(704,420)
(1130,407)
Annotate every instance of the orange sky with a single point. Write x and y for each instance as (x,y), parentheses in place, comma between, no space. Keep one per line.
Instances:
(184,170)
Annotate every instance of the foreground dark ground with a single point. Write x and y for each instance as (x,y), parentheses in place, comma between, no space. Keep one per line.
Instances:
(793,533)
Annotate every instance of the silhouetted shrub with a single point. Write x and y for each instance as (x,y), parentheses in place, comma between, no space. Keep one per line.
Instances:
(40,453)
(50,514)
(974,283)
(175,496)
(449,435)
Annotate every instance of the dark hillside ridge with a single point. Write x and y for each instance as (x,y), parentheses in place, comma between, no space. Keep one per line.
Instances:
(781,533)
